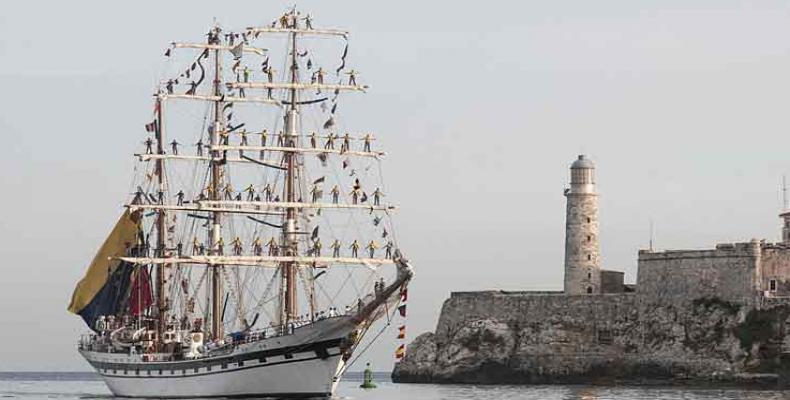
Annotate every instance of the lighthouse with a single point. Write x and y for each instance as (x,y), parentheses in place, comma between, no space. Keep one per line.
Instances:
(582,258)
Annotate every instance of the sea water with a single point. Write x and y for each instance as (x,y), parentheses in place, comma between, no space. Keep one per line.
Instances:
(66,386)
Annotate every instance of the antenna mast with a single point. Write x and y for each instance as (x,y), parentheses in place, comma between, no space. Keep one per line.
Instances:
(652,234)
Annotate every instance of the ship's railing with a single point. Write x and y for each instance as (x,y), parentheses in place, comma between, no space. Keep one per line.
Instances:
(97,343)
(93,342)
(257,335)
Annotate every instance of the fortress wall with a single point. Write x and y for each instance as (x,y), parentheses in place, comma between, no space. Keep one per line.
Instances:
(612,281)
(556,322)
(728,272)
(775,265)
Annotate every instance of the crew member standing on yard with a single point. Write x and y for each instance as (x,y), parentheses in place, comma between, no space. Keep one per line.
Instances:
(237,246)
(317,248)
(352,77)
(330,141)
(313,139)
(250,192)
(377,196)
(316,192)
(228,192)
(355,195)
(199,146)
(192,88)
(335,246)
(335,194)
(280,139)
(388,249)
(180,198)
(243,141)
(367,138)
(267,192)
(257,248)
(354,248)
(346,146)
(372,246)
(149,146)
(264,139)
(221,246)
(270,77)
(273,248)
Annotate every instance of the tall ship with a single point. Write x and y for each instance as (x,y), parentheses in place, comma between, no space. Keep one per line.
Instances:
(256,249)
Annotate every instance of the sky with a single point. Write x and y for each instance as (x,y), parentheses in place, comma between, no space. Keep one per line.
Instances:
(481,107)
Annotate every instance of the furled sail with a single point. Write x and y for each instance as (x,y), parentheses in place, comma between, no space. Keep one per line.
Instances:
(141,296)
(106,285)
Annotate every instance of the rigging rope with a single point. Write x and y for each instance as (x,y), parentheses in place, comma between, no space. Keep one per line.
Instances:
(389,322)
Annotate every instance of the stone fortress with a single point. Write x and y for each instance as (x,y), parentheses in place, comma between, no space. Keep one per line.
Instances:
(694,316)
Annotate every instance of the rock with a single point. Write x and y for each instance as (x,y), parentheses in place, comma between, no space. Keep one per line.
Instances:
(494,337)
(418,365)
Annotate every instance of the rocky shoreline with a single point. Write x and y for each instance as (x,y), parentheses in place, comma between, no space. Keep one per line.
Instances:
(501,338)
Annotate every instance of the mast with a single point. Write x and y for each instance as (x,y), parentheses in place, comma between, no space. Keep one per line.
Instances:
(289,305)
(216,175)
(161,228)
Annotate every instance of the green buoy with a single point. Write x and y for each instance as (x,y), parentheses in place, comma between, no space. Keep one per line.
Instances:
(368,383)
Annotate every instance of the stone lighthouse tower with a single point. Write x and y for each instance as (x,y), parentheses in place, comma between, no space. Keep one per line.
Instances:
(582,261)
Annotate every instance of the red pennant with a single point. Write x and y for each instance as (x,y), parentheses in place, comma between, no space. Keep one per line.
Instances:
(402,310)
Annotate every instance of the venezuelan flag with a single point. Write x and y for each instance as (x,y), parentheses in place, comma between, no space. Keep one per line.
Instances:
(105,287)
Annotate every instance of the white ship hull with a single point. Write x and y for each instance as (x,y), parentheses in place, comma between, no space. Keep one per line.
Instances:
(306,376)
(307,363)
